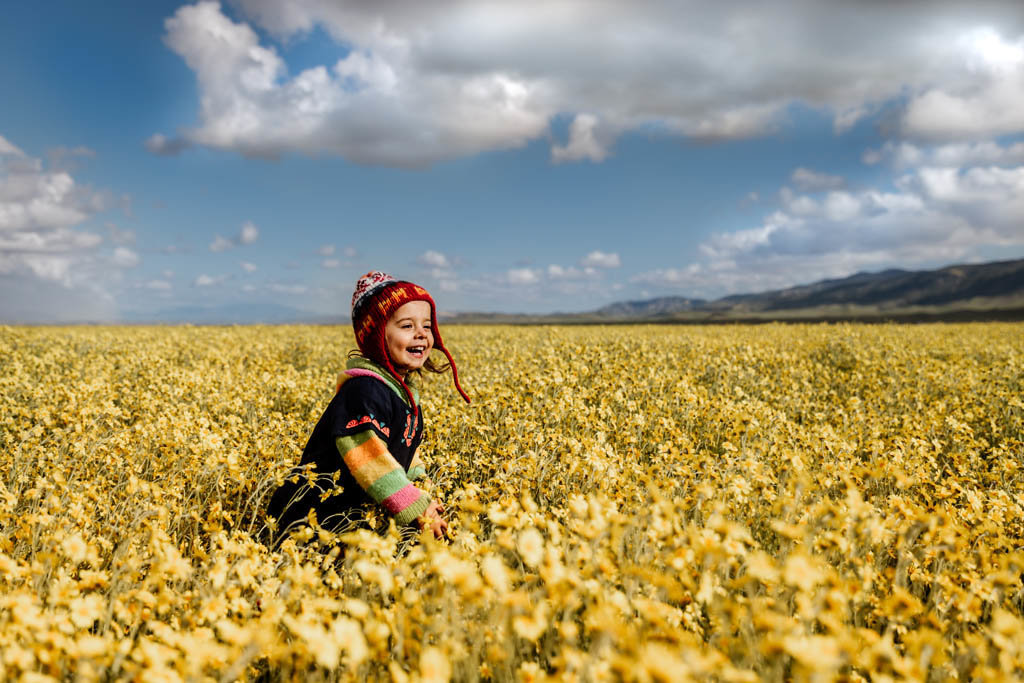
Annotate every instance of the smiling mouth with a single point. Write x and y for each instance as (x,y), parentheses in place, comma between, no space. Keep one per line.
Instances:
(416,350)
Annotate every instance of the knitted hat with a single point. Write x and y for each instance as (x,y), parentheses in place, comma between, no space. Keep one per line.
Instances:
(377,296)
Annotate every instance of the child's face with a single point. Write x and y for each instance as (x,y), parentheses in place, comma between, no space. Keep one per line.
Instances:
(409,336)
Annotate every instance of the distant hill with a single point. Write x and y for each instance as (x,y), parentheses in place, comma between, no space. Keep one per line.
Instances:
(960,292)
(660,306)
(892,289)
(997,286)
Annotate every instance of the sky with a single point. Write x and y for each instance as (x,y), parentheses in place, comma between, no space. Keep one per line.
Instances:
(509,155)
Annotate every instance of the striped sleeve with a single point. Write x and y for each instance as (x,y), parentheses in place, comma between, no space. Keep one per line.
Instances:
(379,474)
(417,469)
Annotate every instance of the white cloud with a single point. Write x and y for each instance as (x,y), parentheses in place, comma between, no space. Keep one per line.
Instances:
(433,259)
(372,106)
(125,257)
(798,204)
(162,145)
(220,244)
(986,197)
(522,276)
(43,242)
(848,118)
(248,234)
(330,263)
(525,283)
(586,141)
(812,181)
(841,206)
(600,259)
(441,269)
(32,198)
(937,215)
(326,250)
(65,158)
(249,267)
(988,104)
(906,155)
(204,280)
(118,236)
(872,157)
(49,268)
(557,272)
(978,153)
(8,149)
(158,285)
(430,80)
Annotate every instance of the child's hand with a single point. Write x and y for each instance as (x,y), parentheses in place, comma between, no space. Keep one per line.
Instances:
(432,518)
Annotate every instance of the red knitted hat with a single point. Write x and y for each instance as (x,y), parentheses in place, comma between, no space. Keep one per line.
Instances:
(377,296)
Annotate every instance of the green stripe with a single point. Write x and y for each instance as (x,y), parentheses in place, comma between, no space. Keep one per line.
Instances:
(410,513)
(366,364)
(392,482)
(417,472)
(347,443)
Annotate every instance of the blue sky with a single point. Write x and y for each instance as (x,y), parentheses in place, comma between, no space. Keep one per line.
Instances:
(508,155)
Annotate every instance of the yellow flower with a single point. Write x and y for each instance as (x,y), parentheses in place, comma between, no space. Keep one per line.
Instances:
(348,635)
(814,652)
(85,610)
(802,572)
(761,567)
(664,664)
(325,649)
(530,545)
(75,548)
(434,666)
(532,626)
(495,573)
(376,574)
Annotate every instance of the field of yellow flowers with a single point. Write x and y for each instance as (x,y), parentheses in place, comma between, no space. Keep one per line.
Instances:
(658,503)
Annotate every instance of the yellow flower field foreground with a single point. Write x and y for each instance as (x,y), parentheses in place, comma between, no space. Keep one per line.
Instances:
(640,503)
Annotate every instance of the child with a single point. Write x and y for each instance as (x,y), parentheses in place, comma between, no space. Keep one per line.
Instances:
(363,449)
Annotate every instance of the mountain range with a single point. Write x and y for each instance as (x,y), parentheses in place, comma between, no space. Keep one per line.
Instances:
(969,291)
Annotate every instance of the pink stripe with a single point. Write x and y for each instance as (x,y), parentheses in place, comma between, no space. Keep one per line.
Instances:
(359,372)
(403,498)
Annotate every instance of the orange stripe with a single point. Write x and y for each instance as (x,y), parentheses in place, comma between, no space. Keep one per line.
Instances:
(365,452)
(373,470)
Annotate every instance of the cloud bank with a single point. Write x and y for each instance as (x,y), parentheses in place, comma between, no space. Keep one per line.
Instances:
(433,80)
(936,214)
(50,269)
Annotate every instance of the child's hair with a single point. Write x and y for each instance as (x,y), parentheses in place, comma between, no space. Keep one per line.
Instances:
(376,297)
